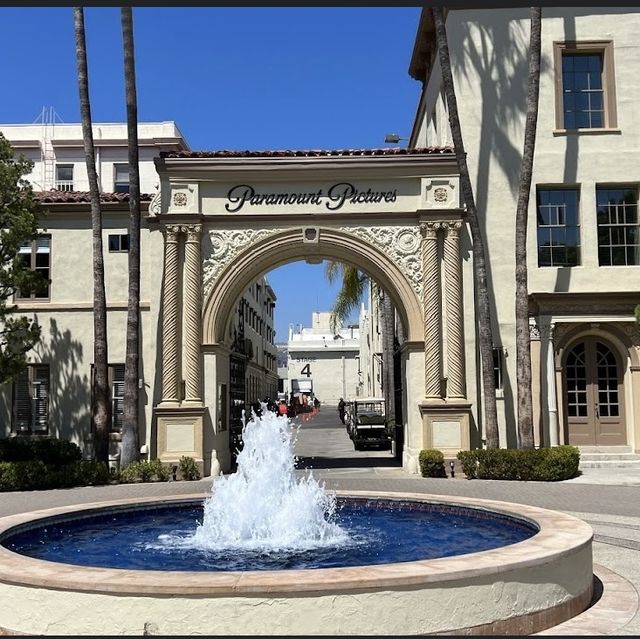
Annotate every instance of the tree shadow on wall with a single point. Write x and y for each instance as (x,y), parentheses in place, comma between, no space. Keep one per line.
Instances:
(493,59)
(69,391)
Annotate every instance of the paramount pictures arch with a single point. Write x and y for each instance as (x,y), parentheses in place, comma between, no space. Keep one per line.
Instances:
(227,220)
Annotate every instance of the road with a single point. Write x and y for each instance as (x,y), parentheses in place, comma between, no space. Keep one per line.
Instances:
(323,443)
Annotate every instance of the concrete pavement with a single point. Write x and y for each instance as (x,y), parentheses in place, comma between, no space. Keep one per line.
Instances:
(608,499)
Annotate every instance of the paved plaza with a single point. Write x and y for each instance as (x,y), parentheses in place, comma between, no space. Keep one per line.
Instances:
(608,499)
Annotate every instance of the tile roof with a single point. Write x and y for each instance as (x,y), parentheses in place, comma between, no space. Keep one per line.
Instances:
(429,150)
(75,197)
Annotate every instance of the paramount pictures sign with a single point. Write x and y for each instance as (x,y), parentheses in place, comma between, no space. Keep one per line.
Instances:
(243,196)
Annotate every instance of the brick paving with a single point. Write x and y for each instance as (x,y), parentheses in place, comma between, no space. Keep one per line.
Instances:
(612,510)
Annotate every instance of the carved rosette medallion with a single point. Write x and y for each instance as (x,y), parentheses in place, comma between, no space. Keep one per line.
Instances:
(180,199)
(440,194)
(400,243)
(225,245)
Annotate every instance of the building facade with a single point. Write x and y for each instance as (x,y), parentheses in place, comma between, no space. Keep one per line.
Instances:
(323,361)
(583,234)
(54,397)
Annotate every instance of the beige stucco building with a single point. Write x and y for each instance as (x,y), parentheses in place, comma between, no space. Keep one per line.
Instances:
(583,235)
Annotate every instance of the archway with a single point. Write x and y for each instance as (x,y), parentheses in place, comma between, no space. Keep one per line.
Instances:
(227,219)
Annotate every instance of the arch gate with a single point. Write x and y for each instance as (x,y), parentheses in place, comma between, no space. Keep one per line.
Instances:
(228,218)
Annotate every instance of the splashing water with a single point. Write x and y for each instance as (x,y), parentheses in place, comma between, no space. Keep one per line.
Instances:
(263,506)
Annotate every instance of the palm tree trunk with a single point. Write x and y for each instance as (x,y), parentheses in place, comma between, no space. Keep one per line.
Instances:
(130,430)
(388,331)
(523,348)
(485,332)
(101,407)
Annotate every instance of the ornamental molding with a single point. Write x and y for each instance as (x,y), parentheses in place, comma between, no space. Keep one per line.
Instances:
(225,246)
(633,331)
(399,243)
(155,206)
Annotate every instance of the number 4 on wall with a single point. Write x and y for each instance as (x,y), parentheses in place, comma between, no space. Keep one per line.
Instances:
(306,371)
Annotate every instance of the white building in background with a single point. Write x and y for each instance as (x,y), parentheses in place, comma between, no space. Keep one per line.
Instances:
(324,362)
(371,372)
(57,152)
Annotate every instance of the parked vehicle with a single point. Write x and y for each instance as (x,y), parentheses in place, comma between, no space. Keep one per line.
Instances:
(368,423)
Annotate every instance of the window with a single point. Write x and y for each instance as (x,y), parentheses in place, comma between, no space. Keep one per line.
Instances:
(618,234)
(116,383)
(36,256)
(64,177)
(31,400)
(585,87)
(120,178)
(498,365)
(119,243)
(558,227)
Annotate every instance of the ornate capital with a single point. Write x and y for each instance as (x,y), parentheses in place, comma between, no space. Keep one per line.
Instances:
(534,331)
(171,232)
(193,232)
(429,230)
(452,228)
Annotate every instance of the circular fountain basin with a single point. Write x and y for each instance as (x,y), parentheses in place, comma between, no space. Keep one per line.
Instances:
(518,588)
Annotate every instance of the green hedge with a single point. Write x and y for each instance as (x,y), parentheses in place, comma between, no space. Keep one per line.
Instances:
(47,450)
(542,464)
(432,463)
(36,475)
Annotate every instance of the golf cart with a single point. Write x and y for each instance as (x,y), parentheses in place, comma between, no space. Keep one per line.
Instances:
(368,425)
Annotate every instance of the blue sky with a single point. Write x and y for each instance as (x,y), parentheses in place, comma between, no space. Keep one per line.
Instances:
(231,78)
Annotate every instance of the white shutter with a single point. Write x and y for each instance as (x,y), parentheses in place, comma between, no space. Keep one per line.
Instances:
(117,396)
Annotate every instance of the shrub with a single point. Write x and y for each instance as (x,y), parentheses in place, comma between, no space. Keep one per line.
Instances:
(159,470)
(561,462)
(469,462)
(543,464)
(188,468)
(431,463)
(92,473)
(144,471)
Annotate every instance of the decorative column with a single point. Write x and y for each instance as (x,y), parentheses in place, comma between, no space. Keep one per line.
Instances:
(170,380)
(193,315)
(455,327)
(431,301)
(546,338)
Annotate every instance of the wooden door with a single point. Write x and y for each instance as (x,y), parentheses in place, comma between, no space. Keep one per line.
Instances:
(594,395)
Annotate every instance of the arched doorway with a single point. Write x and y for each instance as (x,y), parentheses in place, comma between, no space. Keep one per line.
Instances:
(594,394)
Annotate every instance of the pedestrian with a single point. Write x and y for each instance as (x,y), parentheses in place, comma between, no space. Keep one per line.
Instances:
(341,405)
(282,408)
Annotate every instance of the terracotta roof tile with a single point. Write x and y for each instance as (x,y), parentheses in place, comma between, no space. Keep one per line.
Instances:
(429,150)
(75,197)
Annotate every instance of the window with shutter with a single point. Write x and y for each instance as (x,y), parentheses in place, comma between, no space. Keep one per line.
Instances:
(116,372)
(31,400)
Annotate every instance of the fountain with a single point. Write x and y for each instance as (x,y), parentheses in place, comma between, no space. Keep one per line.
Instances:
(272,553)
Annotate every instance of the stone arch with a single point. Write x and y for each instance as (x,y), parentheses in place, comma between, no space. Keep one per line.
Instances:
(286,246)
(618,338)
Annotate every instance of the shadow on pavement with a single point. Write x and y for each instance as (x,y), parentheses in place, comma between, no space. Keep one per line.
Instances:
(303,463)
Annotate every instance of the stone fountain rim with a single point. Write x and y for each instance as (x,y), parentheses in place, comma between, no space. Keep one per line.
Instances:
(559,535)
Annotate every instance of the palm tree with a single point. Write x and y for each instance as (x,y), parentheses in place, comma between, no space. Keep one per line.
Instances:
(523,348)
(130,443)
(353,286)
(485,332)
(101,408)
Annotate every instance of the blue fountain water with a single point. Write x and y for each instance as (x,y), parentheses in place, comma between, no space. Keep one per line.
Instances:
(265,518)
